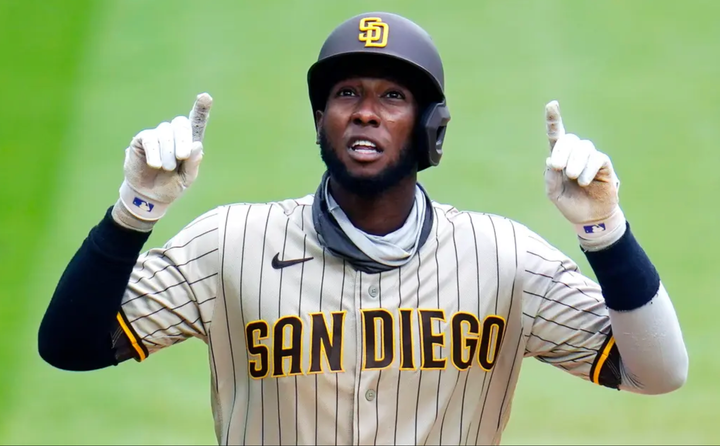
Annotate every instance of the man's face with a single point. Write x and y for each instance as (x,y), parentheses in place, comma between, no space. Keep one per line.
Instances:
(366,134)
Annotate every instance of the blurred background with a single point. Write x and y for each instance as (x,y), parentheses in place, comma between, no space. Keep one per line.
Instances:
(78,79)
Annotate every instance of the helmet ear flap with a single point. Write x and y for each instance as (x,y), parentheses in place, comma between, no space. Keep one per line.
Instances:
(432,127)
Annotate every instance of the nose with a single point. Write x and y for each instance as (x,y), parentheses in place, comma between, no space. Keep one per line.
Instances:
(365,114)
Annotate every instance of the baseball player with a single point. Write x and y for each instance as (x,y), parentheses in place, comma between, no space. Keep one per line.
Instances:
(366,312)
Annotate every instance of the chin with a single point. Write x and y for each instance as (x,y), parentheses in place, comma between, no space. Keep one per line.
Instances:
(362,180)
(367,179)
(365,170)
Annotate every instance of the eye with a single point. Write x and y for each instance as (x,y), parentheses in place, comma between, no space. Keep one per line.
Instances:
(345,92)
(395,94)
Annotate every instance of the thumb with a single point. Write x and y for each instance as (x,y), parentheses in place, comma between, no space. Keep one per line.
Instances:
(135,166)
(190,166)
(553,183)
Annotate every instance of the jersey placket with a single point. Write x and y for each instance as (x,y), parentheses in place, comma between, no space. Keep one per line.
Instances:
(367,293)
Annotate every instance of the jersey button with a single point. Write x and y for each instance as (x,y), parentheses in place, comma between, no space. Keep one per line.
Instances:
(373,291)
(370,395)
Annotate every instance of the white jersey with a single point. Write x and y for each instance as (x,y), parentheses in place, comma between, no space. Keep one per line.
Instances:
(304,349)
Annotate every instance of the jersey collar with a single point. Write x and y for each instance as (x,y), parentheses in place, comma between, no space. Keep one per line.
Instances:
(335,240)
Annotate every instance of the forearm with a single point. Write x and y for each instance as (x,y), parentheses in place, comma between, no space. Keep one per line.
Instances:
(646,329)
(75,332)
(653,355)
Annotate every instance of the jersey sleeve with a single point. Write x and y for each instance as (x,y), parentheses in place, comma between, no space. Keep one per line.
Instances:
(567,321)
(171,293)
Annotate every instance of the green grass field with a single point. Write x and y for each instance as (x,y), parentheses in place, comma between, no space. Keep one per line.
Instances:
(79,79)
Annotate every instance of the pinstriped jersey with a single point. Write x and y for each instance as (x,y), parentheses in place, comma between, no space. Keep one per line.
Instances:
(304,349)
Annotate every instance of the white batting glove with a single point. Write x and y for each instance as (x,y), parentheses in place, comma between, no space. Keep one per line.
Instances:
(161,163)
(582,183)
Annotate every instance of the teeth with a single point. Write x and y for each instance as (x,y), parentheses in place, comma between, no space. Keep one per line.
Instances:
(364,150)
(363,144)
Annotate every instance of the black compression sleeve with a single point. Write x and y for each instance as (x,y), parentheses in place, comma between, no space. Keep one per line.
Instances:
(626,275)
(75,333)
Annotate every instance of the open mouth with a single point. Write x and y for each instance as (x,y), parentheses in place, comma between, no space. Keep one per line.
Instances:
(364,150)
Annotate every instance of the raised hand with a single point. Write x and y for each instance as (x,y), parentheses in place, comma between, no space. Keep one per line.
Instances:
(582,183)
(161,163)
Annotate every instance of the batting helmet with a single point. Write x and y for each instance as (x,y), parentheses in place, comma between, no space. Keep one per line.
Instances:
(396,43)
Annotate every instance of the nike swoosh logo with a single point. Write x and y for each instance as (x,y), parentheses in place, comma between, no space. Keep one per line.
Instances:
(280,264)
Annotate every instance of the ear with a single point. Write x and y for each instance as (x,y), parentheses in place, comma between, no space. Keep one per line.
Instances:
(318,125)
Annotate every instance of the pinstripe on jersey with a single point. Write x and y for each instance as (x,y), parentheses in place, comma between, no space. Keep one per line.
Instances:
(319,353)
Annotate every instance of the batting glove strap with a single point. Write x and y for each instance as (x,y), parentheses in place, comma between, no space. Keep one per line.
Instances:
(601,234)
(124,218)
(140,205)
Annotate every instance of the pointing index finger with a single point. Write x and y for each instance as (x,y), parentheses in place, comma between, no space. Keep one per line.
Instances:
(553,123)
(199,115)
